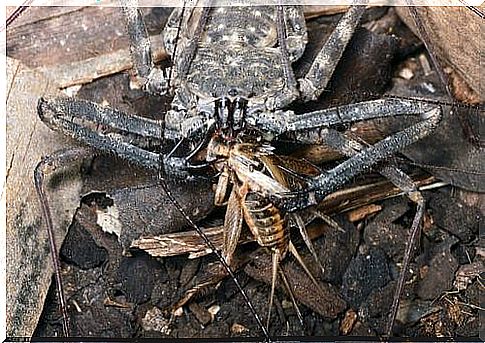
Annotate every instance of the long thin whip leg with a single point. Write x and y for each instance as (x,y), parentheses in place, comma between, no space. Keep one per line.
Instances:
(49,164)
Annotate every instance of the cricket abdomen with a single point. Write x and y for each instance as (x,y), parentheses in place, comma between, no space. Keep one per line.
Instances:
(266,223)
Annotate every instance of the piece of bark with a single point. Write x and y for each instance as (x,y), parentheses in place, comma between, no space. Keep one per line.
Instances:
(191,243)
(455,36)
(70,45)
(59,35)
(29,269)
(363,212)
(313,11)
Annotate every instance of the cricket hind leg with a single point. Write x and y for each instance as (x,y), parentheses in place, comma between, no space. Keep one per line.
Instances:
(290,292)
(304,234)
(221,258)
(49,165)
(349,147)
(315,213)
(275,259)
(231,233)
(215,272)
(278,270)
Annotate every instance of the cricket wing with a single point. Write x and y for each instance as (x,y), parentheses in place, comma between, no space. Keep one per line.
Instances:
(289,172)
(232,225)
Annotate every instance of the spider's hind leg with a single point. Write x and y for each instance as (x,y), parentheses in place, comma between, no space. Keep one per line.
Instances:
(349,147)
(152,79)
(316,79)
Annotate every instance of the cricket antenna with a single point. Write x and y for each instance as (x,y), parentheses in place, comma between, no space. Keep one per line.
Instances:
(210,245)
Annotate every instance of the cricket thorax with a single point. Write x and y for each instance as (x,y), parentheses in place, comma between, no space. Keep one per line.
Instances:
(246,162)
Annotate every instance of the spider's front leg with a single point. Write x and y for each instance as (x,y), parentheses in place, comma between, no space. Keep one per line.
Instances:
(114,132)
(308,128)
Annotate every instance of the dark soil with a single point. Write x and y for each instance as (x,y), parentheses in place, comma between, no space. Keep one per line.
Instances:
(129,296)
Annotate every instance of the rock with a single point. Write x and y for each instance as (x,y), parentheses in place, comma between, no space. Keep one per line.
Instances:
(383,233)
(138,276)
(367,271)
(455,217)
(80,249)
(441,272)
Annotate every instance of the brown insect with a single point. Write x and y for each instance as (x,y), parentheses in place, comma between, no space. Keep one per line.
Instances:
(248,172)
